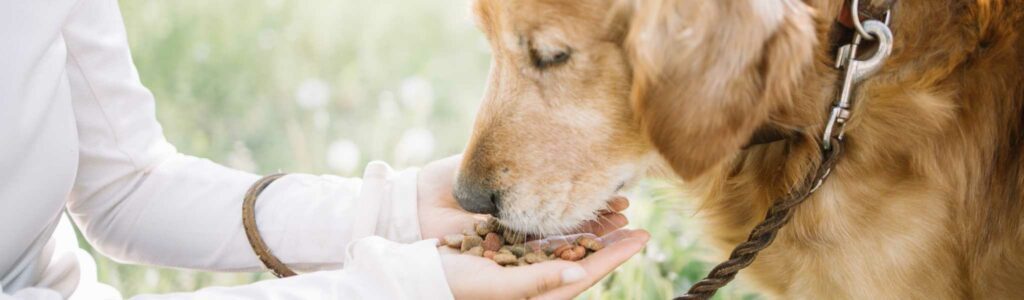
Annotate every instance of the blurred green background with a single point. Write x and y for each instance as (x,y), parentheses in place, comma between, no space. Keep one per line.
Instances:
(324,86)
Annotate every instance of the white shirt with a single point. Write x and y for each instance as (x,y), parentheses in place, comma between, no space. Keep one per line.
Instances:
(78,132)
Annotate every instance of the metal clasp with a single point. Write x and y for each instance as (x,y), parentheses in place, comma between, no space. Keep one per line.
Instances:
(856,71)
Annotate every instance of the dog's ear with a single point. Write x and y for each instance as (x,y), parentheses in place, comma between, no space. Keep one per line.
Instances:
(617,23)
(707,74)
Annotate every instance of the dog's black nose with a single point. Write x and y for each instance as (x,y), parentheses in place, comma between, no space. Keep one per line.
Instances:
(477,197)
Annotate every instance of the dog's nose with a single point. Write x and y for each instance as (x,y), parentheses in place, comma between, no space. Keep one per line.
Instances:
(477,197)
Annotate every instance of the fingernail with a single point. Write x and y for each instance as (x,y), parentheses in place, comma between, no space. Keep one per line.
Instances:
(573,274)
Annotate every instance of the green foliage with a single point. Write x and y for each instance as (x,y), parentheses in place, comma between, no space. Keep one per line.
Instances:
(324,87)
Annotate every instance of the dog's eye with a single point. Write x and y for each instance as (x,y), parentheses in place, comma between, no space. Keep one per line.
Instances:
(543,60)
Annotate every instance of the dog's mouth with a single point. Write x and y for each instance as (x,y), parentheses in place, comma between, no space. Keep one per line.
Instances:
(538,225)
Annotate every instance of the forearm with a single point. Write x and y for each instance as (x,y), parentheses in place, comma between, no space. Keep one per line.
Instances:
(186,212)
(377,269)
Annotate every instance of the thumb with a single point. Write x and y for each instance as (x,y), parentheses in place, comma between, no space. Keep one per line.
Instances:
(535,279)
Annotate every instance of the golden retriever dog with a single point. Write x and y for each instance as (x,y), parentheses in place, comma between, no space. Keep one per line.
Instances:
(926,201)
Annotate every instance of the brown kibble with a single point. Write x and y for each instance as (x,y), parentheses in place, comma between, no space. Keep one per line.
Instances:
(492,242)
(535,257)
(484,227)
(558,251)
(476,251)
(518,250)
(504,259)
(453,241)
(513,238)
(469,242)
(574,253)
(589,243)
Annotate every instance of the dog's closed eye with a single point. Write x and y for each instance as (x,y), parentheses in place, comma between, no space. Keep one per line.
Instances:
(545,59)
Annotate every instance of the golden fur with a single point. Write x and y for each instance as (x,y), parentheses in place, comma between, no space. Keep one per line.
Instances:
(925,203)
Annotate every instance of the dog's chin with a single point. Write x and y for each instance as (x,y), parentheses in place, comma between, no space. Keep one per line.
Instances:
(554,221)
(570,214)
(542,227)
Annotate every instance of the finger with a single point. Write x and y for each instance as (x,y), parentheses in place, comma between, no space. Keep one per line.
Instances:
(617,235)
(599,264)
(530,281)
(553,242)
(605,223)
(447,250)
(618,204)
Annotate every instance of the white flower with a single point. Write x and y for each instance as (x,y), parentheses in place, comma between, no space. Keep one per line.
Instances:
(417,94)
(313,93)
(415,146)
(343,156)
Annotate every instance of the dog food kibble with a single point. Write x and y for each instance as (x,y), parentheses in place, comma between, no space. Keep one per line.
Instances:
(505,247)
(483,228)
(558,251)
(475,251)
(513,237)
(493,241)
(574,253)
(453,240)
(469,242)
(535,257)
(505,259)
(517,250)
(589,243)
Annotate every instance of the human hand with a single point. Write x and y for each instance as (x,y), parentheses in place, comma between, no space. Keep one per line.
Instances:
(473,277)
(440,214)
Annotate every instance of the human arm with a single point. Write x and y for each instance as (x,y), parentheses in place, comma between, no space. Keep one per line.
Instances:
(137,199)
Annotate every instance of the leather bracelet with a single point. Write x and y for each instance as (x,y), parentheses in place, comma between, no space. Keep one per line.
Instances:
(252,233)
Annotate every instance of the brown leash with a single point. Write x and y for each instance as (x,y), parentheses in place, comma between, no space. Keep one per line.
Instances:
(764,233)
(253,234)
(871,24)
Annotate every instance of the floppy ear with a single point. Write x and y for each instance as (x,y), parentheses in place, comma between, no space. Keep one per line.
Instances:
(707,74)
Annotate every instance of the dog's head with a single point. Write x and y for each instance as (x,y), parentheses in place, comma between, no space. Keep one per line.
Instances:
(584,95)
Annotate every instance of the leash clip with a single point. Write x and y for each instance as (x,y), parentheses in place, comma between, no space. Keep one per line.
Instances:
(856,72)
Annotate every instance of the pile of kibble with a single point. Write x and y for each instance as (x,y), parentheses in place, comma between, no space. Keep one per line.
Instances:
(491,240)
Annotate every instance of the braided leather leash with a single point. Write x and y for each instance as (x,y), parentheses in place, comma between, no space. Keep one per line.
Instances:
(252,233)
(764,233)
(781,211)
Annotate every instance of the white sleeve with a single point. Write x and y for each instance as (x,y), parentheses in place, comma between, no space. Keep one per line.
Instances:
(377,269)
(32,293)
(137,200)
